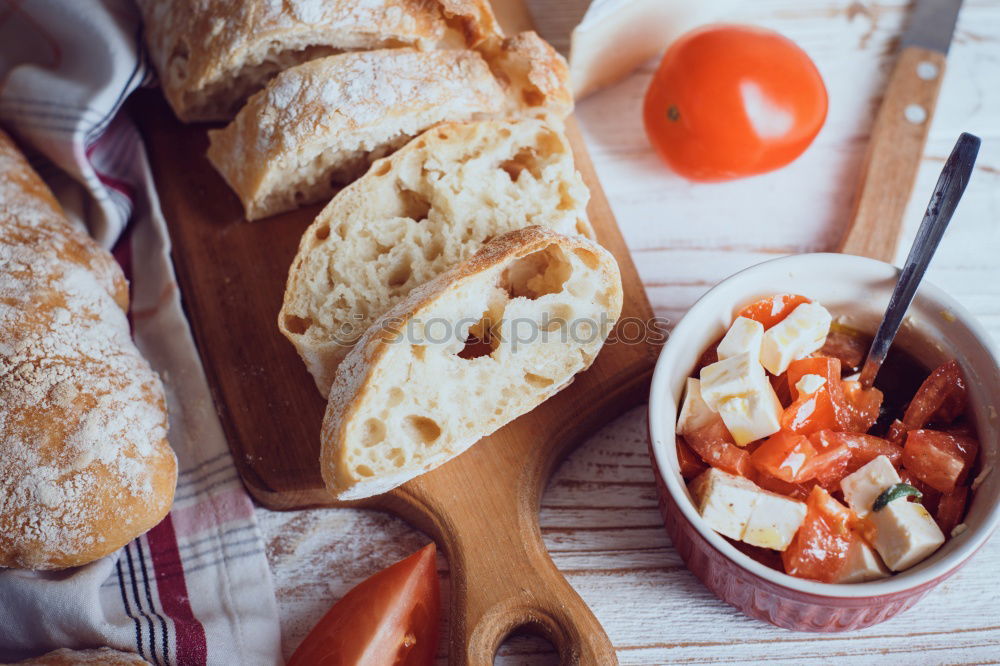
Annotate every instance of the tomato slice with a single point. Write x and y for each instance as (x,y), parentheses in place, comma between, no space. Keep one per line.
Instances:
(951,509)
(769,311)
(819,549)
(784,455)
(847,346)
(799,491)
(390,618)
(810,413)
(716,447)
(941,397)
(897,433)
(860,407)
(831,462)
(864,448)
(931,497)
(690,464)
(826,367)
(939,459)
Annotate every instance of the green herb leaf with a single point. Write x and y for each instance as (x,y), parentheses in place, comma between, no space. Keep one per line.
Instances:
(894,493)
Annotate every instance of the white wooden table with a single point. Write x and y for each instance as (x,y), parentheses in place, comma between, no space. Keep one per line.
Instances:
(599,516)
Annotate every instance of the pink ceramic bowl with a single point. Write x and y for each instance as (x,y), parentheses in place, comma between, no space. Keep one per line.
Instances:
(856,290)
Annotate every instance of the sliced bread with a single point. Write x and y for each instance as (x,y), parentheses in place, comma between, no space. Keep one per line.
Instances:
(319,125)
(464,354)
(213,54)
(414,215)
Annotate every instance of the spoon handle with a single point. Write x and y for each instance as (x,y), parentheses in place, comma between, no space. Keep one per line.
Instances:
(950,186)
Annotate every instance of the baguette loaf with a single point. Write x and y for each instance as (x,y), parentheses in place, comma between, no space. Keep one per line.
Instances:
(213,54)
(417,213)
(465,354)
(83,455)
(321,124)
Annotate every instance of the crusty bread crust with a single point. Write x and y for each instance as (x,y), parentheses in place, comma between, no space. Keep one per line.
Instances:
(213,54)
(102,656)
(416,213)
(83,455)
(360,379)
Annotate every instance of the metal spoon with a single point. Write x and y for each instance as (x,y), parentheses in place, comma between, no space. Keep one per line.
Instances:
(950,186)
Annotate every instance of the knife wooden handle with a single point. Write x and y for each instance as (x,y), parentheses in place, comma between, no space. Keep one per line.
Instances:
(894,153)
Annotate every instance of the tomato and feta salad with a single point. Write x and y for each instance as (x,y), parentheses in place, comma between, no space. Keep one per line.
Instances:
(808,471)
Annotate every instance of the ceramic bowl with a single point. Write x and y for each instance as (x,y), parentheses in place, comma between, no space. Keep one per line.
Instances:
(856,290)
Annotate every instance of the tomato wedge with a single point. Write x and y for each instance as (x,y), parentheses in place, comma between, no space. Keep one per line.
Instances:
(770,311)
(784,455)
(939,459)
(860,407)
(691,465)
(819,549)
(831,462)
(389,619)
(716,447)
(941,397)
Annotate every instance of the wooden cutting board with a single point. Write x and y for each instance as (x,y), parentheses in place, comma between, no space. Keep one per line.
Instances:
(482,507)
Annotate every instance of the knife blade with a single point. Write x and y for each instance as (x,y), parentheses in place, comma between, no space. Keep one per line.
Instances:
(932,25)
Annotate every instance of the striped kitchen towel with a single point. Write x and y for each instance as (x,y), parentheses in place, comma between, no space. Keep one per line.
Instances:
(196,589)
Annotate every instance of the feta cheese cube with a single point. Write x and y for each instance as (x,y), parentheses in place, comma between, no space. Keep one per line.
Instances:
(724,501)
(694,412)
(863,487)
(809,384)
(796,336)
(745,335)
(753,416)
(774,521)
(905,534)
(734,377)
(862,564)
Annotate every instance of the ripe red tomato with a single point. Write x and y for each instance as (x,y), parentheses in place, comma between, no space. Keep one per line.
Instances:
(771,310)
(716,447)
(730,101)
(819,549)
(389,619)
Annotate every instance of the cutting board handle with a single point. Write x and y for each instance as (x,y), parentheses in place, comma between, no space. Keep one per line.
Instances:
(894,153)
(503,580)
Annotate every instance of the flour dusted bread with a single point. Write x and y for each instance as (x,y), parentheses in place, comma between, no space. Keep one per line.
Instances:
(213,54)
(465,354)
(414,215)
(321,124)
(102,656)
(84,462)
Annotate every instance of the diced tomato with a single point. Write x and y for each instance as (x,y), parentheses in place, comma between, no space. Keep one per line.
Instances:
(847,346)
(708,357)
(866,448)
(769,311)
(783,455)
(951,509)
(819,549)
(897,433)
(824,366)
(716,447)
(810,413)
(766,556)
(690,464)
(831,462)
(799,491)
(861,407)
(939,459)
(941,397)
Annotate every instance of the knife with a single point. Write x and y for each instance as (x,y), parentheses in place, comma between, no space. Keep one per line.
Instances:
(900,131)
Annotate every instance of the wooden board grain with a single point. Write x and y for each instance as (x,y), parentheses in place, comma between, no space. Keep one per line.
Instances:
(481,507)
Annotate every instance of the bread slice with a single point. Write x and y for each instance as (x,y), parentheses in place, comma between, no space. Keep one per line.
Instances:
(213,54)
(464,354)
(414,215)
(320,125)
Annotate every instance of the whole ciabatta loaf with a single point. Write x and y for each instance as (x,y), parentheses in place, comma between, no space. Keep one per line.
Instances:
(464,354)
(213,54)
(414,215)
(321,124)
(84,462)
